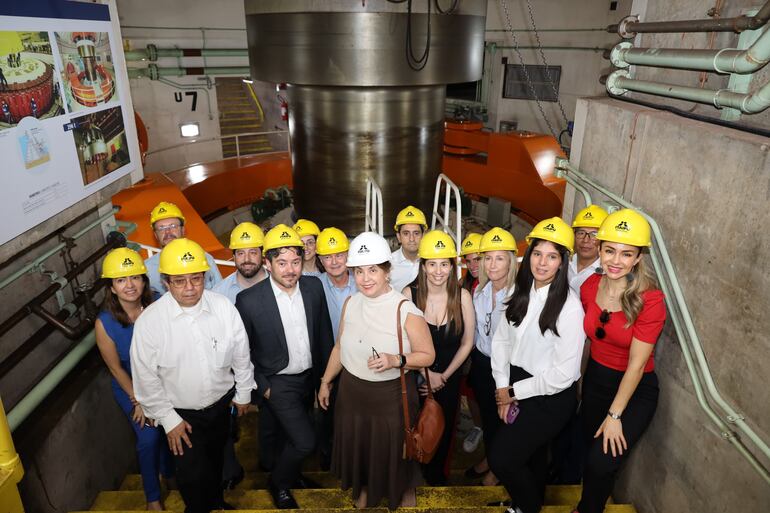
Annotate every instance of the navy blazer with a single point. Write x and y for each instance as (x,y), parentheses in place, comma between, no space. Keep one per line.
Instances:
(267,337)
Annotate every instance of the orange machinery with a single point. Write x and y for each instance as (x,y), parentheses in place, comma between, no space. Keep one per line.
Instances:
(517,167)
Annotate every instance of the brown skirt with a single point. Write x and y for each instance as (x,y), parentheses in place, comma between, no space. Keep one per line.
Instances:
(369,439)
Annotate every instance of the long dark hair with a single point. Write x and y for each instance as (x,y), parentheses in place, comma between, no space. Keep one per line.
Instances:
(111,303)
(557,293)
(454,307)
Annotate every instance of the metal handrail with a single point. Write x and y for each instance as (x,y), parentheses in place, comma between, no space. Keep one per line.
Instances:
(221,137)
(151,250)
(450,188)
(685,330)
(373,218)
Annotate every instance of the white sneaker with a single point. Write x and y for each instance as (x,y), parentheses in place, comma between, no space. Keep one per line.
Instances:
(472,439)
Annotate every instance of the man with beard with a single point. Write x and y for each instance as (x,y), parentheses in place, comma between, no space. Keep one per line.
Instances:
(246,241)
(410,225)
(585,261)
(167,223)
(290,335)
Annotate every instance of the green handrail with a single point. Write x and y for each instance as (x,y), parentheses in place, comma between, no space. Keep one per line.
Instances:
(685,334)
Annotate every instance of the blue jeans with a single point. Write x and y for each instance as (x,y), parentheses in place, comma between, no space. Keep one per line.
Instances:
(151,449)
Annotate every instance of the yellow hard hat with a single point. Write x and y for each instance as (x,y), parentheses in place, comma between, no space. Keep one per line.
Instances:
(331,241)
(281,236)
(165,210)
(122,262)
(182,256)
(246,235)
(437,244)
(626,226)
(470,244)
(410,215)
(497,239)
(554,230)
(306,227)
(590,217)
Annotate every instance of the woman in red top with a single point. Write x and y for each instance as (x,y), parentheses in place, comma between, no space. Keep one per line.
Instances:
(624,315)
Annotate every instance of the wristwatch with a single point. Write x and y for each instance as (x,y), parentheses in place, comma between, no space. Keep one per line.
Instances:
(510,392)
(402,362)
(613,415)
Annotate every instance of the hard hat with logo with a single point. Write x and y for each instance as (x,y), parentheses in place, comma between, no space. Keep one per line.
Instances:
(554,230)
(246,235)
(331,241)
(470,244)
(410,215)
(497,239)
(281,236)
(437,244)
(165,210)
(626,226)
(122,262)
(590,217)
(306,227)
(183,256)
(369,248)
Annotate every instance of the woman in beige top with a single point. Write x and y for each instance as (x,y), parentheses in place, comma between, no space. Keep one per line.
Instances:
(367,454)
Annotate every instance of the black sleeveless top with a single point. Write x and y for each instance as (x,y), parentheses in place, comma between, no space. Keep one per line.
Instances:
(446,341)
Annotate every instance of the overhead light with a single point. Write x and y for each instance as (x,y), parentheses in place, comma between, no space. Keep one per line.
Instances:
(248,81)
(190,130)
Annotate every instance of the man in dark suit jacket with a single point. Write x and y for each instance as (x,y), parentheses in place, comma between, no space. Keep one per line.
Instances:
(290,335)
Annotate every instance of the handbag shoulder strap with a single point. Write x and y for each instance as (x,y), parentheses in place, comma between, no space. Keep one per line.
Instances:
(404,402)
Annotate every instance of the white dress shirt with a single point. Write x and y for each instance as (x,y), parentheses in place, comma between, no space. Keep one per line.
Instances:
(188,358)
(292,310)
(487,315)
(402,271)
(576,278)
(553,361)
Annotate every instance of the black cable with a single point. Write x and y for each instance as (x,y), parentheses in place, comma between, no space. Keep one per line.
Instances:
(415,63)
(448,11)
(697,117)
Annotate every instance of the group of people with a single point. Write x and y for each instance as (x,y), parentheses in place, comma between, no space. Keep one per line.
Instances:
(309,317)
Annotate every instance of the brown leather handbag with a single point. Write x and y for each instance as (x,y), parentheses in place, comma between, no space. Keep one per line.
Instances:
(421,439)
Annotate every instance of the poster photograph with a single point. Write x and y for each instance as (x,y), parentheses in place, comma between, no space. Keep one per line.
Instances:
(100,142)
(87,70)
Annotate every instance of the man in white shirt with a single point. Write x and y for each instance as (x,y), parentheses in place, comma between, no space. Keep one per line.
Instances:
(190,362)
(167,223)
(290,335)
(585,261)
(410,226)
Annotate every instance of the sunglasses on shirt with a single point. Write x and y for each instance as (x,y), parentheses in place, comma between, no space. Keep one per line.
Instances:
(604,318)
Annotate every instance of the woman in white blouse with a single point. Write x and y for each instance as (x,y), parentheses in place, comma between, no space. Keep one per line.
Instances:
(367,453)
(535,364)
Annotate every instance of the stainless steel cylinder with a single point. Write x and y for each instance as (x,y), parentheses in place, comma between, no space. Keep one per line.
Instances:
(341,135)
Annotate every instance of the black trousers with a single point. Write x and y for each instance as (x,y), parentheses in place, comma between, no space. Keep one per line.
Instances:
(519,452)
(325,428)
(232,467)
(600,385)
(286,430)
(199,469)
(449,400)
(483,384)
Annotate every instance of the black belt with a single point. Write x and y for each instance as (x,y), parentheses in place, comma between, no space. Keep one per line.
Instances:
(223,401)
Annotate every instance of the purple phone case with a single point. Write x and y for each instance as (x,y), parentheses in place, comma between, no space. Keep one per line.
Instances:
(513,412)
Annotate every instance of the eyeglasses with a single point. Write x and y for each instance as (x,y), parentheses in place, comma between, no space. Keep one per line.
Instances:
(167,228)
(488,323)
(604,318)
(582,234)
(179,282)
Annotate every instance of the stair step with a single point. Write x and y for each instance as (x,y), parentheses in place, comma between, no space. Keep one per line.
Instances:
(610,508)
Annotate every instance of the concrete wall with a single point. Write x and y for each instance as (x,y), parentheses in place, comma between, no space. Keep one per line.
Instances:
(709,188)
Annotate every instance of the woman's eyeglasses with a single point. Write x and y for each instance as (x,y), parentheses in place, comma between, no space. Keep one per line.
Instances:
(604,318)
(488,324)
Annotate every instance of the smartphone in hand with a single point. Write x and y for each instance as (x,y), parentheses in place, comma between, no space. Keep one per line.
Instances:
(513,412)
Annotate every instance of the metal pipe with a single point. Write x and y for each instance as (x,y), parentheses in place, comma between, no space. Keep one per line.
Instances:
(619,82)
(72,333)
(154,72)
(727,60)
(550,30)
(558,48)
(37,395)
(39,260)
(153,53)
(630,26)
(689,333)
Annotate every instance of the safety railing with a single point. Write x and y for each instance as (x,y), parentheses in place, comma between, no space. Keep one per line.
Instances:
(444,220)
(237,138)
(373,218)
(151,250)
(689,341)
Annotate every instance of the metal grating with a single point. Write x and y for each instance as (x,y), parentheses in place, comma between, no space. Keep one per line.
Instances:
(515,84)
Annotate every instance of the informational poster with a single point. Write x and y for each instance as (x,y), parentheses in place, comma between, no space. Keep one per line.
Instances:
(64,118)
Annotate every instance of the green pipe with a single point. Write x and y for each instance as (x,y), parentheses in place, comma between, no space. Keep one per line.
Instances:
(603,29)
(153,53)
(42,258)
(728,60)
(619,82)
(733,417)
(181,28)
(43,389)
(154,72)
(577,48)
